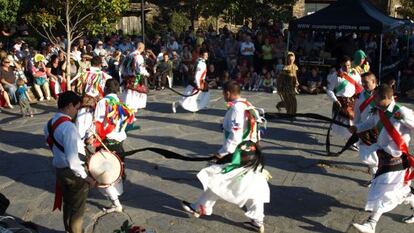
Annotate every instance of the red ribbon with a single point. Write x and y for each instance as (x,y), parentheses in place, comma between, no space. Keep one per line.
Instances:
(358,88)
(366,102)
(58,197)
(396,137)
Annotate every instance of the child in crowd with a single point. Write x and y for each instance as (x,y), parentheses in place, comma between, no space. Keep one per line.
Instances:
(19,73)
(268,83)
(253,79)
(239,78)
(225,78)
(23,98)
(247,80)
(278,67)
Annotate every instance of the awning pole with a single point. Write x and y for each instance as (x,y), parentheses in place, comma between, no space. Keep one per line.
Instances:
(287,45)
(380,59)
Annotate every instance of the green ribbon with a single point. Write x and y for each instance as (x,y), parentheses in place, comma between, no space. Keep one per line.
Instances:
(235,161)
(341,86)
(388,114)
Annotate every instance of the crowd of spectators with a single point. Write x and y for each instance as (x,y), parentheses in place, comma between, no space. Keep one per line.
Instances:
(254,57)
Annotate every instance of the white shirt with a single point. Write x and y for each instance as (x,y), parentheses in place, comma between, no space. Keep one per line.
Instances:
(100,114)
(84,122)
(403,126)
(201,71)
(90,88)
(66,134)
(139,65)
(234,124)
(335,80)
(247,49)
(359,116)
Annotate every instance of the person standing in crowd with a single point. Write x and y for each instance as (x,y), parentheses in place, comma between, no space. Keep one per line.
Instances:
(286,83)
(72,179)
(164,72)
(342,89)
(196,93)
(247,50)
(391,185)
(23,98)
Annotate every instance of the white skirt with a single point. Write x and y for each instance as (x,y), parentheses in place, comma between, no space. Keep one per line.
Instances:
(237,186)
(368,155)
(196,102)
(114,191)
(387,191)
(134,99)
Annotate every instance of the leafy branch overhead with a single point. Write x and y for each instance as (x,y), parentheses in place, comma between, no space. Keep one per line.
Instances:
(407,9)
(77,17)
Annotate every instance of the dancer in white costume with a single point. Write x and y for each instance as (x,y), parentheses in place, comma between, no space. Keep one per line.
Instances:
(133,74)
(197,90)
(391,185)
(342,90)
(238,177)
(364,106)
(92,82)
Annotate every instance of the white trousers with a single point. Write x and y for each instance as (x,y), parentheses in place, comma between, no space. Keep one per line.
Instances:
(207,200)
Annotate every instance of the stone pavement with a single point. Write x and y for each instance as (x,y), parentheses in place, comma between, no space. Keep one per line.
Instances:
(309,191)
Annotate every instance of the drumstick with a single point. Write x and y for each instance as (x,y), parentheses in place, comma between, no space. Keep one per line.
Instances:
(100,141)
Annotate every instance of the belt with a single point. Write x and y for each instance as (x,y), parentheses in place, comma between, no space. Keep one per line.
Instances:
(388,163)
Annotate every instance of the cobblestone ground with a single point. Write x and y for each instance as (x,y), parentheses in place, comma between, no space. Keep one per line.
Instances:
(309,191)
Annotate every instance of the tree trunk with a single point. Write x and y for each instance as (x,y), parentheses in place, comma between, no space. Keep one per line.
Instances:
(68,45)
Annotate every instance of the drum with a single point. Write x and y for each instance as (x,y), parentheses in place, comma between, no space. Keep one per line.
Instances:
(105,167)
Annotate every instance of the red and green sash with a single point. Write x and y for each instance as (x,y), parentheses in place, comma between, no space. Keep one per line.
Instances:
(396,137)
(368,101)
(344,83)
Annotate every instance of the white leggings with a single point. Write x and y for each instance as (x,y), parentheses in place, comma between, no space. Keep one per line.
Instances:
(207,200)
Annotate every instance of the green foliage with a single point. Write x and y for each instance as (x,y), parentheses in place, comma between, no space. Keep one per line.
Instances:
(31,41)
(178,22)
(8,11)
(407,9)
(86,16)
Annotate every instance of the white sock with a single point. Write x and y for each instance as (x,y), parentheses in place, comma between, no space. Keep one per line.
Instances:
(116,202)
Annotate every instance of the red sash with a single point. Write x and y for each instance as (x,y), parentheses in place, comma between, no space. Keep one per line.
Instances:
(51,141)
(396,137)
(358,88)
(366,102)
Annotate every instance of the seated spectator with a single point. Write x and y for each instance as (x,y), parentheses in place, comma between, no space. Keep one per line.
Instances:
(268,83)
(303,72)
(239,79)
(8,79)
(254,79)
(40,78)
(313,82)
(224,78)
(56,76)
(4,98)
(213,77)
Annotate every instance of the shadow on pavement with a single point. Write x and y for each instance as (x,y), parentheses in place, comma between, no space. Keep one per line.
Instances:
(286,200)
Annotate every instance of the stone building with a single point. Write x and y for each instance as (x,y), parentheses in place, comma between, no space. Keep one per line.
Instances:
(306,7)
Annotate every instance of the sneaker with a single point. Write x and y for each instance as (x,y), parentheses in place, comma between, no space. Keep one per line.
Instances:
(354,148)
(174,107)
(41,99)
(367,227)
(253,224)
(47,98)
(113,208)
(274,92)
(189,209)
(409,219)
